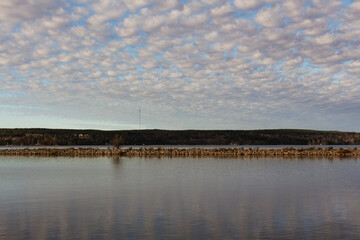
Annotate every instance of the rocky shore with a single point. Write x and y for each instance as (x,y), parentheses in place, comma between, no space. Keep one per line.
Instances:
(193,152)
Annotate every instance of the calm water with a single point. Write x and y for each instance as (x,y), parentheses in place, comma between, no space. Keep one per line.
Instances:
(179,198)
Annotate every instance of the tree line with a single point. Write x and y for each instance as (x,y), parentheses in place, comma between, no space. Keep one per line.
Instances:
(67,137)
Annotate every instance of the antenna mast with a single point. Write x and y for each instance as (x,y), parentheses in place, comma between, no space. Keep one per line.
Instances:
(139,118)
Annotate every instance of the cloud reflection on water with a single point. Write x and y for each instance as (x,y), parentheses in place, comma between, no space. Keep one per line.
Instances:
(179,198)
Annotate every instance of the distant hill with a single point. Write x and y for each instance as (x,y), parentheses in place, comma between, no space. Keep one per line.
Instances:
(177,137)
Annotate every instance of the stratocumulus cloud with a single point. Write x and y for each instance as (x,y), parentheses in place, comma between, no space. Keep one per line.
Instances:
(211,64)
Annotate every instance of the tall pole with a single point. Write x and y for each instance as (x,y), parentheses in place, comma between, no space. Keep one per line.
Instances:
(139,118)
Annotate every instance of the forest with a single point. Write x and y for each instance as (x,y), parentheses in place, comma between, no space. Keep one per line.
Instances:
(67,137)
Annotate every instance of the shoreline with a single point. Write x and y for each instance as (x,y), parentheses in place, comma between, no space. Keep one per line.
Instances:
(176,152)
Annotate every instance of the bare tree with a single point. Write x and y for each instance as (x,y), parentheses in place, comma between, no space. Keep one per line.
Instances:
(118,141)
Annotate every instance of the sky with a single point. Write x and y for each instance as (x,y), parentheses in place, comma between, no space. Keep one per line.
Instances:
(188,64)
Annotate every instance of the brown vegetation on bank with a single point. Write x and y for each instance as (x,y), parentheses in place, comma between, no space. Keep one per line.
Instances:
(174,152)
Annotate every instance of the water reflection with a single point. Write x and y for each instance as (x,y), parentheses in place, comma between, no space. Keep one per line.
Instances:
(179,199)
(117,161)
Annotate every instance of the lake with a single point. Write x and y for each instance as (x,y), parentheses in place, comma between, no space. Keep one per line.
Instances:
(179,198)
(186,146)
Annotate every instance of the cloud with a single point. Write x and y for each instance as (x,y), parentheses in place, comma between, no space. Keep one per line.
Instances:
(106,10)
(241,62)
(269,17)
(248,5)
(17,11)
(133,5)
(222,10)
